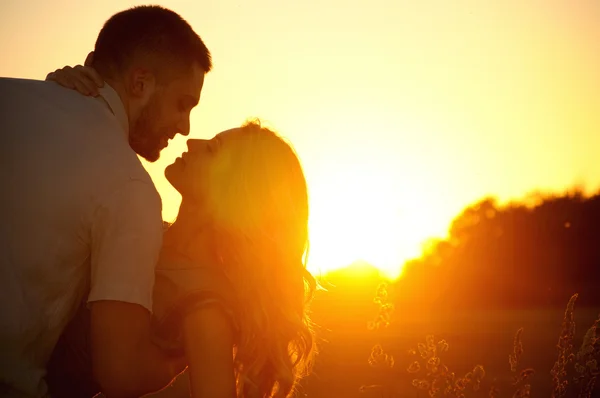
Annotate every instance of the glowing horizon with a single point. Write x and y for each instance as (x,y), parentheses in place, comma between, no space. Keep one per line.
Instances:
(402,113)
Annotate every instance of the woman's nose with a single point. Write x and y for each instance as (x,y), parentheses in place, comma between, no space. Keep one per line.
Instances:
(194,143)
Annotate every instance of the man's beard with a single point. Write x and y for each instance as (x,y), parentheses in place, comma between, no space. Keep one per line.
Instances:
(143,139)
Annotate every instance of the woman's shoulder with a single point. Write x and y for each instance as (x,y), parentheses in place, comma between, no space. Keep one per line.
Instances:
(184,280)
(182,287)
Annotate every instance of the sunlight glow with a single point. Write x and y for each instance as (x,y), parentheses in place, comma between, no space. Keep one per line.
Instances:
(402,112)
(359,215)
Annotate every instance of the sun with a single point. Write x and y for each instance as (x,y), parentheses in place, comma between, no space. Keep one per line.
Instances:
(361,215)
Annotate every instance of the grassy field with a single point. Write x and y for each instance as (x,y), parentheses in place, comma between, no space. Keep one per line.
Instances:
(483,337)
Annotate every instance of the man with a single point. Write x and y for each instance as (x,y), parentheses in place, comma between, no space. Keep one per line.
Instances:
(81,218)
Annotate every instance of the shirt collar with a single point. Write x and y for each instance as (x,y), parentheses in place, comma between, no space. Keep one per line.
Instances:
(112,99)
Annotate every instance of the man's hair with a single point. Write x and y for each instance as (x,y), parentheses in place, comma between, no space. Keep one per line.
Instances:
(148,31)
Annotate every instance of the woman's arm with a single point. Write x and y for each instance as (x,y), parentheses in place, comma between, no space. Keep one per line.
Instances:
(125,362)
(208,340)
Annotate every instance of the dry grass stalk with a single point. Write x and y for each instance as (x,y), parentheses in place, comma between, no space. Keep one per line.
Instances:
(586,365)
(565,352)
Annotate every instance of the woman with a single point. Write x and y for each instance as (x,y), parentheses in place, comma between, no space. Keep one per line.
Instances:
(232,273)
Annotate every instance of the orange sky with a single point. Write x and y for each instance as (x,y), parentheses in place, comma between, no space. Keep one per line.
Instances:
(403,112)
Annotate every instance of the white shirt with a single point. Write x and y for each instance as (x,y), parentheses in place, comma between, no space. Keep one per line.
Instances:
(79,215)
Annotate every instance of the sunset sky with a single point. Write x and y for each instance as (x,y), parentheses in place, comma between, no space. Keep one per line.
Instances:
(403,112)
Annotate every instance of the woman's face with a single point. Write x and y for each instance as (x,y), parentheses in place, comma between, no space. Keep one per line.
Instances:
(205,161)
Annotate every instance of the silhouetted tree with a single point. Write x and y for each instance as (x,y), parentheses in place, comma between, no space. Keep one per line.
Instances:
(518,254)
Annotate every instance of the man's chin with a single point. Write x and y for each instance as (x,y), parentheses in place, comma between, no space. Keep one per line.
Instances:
(153,157)
(149,155)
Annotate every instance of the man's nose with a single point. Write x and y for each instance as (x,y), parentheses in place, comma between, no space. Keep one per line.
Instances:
(183,127)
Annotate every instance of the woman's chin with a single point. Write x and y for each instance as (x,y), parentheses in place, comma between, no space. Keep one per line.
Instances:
(172,174)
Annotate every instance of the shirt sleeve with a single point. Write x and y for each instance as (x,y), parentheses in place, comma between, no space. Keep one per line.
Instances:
(126,239)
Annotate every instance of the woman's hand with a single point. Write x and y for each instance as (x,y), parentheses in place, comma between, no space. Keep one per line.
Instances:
(82,78)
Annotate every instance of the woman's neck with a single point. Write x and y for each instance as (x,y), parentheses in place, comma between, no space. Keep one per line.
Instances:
(189,238)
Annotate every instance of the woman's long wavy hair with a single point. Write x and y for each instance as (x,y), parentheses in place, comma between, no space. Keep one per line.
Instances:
(259,208)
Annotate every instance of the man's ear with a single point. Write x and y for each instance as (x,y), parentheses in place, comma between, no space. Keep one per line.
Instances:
(142,84)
